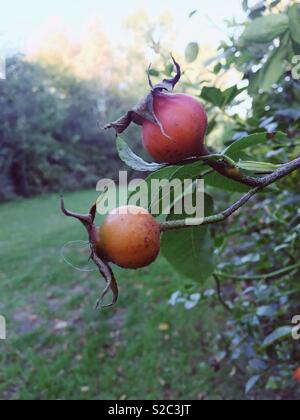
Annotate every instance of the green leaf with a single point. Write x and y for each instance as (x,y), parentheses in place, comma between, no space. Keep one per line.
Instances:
(277,335)
(192,52)
(275,66)
(154,73)
(251,383)
(230,94)
(245,5)
(168,172)
(190,250)
(217,68)
(254,83)
(253,140)
(185,172)
(212,95)
(191,171)
(258,364)
(294,15)
(169,69)
(275,3)
(258,167)
(216,180)
(134,161)
(236,152)
(220,98)
(264,29)
(295,49)
(212,124)
(257,9)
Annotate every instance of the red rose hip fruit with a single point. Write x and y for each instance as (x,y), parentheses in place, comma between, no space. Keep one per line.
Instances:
(184,122)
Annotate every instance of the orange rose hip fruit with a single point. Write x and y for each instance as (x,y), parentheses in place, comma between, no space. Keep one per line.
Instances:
(129,237)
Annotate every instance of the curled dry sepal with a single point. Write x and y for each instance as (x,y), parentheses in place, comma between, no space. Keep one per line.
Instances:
(144,110)
(104,268)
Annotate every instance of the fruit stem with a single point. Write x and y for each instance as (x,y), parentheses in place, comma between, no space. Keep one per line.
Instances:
(226,167)
(264,182)
(220,294)
(219,158)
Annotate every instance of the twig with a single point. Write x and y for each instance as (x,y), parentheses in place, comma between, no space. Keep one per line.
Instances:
(219,292)
(265,276)
(264,182)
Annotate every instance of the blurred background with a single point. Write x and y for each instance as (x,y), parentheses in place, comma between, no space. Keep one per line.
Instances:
(70,67)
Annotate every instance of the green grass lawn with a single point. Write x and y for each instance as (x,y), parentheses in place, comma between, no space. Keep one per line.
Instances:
(60,347)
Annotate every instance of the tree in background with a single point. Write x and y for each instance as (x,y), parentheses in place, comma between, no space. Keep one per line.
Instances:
(53,103)
(50,138)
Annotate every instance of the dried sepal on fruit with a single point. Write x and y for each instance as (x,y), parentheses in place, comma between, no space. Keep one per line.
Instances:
(174,125)
(144,109)
(104,268)
(128,237)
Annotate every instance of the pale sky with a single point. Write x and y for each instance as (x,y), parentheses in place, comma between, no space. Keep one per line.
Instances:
(23,21)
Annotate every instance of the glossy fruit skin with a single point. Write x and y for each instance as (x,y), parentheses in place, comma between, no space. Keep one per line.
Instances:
(184,120)
(297,375)
(129,237)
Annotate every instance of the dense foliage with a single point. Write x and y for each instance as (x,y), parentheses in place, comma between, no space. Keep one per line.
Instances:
(258,253)
(254,259)
(262,276)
